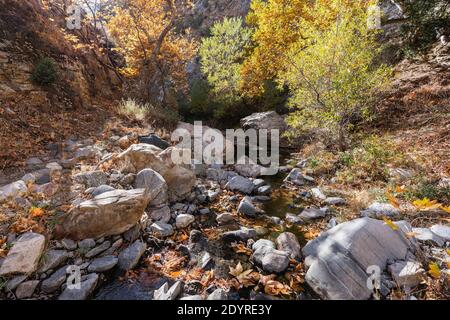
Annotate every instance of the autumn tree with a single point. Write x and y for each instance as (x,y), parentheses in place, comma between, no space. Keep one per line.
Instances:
(156,52)
(331,75)
(276,25)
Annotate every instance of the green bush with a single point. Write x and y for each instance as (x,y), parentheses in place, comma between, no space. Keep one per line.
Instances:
(425,19)
(222,55)
(44,72)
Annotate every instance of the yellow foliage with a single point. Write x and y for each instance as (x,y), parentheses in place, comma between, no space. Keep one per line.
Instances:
(391,224)
(434,270)
(426,204)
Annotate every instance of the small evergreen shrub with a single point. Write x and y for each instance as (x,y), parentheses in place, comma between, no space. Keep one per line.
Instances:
(44,72)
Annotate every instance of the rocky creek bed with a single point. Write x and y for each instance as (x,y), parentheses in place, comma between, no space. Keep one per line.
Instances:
(125,222)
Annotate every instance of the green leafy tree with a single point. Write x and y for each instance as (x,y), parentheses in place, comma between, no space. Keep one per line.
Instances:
(222,55)
(331,76)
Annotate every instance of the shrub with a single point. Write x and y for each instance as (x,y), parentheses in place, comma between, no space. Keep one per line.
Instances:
(369,160)
(164,117)
(44,72)
(222,55)
(133,109)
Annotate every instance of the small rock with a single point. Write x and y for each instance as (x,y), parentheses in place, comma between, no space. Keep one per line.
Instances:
(288,242)
(407,273)
(206,259)
(334,201)
(218,294)
(161,229)
(132,234)
(129,257)
(155,185)
(224,218)
(242,234)
(425,234)
(400,174)
(127,180)
(55,170)
(247,208)
(164,293)
(34,162)
(270,259)
(379,209)
(69,244)
(115,246)
(154,140)
(161,214)
(86,244)
(296,177)
(241,184)
(124,142)
(26,289)
(12,283)
(87,286)
(212,195)
(184,220)
(204,211)
(55,281)
(318,194)
(53,259)
(258,183)
(441,231)
(88,153)
(99,249)
(103,264)
(91,179)
(312,213)
(264,190)
(13,190)
(292,218)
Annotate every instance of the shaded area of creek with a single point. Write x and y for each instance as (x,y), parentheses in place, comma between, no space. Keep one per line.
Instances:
(139,287)
(282,201)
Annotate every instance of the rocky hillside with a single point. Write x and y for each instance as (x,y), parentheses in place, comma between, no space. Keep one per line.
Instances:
(31,114)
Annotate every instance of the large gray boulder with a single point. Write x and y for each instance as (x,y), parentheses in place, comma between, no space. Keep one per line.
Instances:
(338,259)
(264,120)
(179,178)
(110,213)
